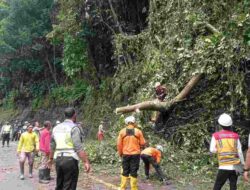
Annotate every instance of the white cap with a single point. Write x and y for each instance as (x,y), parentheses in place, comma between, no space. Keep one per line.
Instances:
(130,119)
(58,122)
(157,84)
(159,147)
(26,123)
(225,120)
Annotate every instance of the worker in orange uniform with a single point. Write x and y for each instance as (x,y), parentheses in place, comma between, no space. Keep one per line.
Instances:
(153,156)
(129,144)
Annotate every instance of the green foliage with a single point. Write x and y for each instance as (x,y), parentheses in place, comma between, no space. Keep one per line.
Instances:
(65,95)
(9,100)
(26,20)
(33,66)
(23,25)
(67,17)
(102,153)
(75,55)
(37,103)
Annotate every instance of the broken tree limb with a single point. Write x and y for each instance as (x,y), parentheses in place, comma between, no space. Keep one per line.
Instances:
(158,105)
(187,89)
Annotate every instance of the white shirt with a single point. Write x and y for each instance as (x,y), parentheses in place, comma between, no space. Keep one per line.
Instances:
(213,149)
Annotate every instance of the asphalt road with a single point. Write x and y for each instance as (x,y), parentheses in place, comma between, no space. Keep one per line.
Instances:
(9,172)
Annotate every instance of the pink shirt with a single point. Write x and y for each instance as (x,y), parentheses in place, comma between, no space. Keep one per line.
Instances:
(45,137)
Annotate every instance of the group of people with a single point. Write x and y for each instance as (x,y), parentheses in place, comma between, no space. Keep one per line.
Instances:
(131,147)
(63,146)
(34,140)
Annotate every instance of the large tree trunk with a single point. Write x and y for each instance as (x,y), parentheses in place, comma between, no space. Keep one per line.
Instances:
(158,105)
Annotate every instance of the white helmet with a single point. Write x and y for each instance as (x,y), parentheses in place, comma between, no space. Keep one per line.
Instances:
(225,120)
(157,84)
(159,147)
(130,119)
(58,122)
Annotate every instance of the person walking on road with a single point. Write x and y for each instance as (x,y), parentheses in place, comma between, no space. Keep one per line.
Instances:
(227,145)
(153,156)
(129,144)
(5,132)
(27,146)
(67,149)
(44,146)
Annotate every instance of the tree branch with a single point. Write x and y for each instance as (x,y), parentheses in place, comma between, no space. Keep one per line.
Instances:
(158,105)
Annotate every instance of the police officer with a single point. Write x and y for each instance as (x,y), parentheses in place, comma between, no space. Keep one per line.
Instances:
(67,150)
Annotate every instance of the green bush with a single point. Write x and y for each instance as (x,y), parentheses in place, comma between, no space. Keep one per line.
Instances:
(9,100)
(62,95)
(102,153)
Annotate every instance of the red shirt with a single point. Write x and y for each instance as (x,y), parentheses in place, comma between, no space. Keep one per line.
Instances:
(44,143)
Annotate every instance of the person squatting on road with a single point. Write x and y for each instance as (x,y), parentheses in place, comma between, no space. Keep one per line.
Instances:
(153,156)
(227,145)
(27,146)
(44,145)
(67,149)
(129,144)
(5,132)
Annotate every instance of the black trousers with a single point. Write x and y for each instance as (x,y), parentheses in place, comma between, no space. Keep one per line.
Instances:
(130,165)
(6,137)
(67,173)
(222,177)
(150,160)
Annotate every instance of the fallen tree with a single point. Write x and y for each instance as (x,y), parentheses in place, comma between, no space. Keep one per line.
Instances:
(156,105)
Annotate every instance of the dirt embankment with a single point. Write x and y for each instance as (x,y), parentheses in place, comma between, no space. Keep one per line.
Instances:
(28,114)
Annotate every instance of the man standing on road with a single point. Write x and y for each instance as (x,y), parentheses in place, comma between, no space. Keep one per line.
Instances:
(227,145)
(44,146)
(5,132)
(129,144)
(27,146)
(66,149)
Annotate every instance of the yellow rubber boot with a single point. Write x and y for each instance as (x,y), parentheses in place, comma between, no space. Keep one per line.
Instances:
(133,183)
(123,182)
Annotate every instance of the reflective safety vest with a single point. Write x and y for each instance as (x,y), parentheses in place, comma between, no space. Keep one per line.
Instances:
(226,144)
(6,128)
(62,137)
